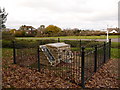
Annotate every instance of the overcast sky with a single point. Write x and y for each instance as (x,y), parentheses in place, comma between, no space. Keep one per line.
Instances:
(82,14)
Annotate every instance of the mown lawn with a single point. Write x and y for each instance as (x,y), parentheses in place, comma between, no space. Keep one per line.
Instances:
(70,37)
(115,53)
(115,44)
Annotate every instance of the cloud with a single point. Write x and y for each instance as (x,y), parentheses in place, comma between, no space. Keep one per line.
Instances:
(63,13)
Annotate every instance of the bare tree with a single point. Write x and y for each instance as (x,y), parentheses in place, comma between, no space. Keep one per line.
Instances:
(3,18)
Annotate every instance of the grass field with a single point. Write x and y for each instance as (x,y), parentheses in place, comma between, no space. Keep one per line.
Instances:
(69,37)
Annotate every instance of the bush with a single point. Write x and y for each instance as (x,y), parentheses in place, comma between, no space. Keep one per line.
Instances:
(76,43)
(26,43)
(32,43)
(19,44)
(7,36)
(73,43)
(7,44)
(35,44)
(46,41)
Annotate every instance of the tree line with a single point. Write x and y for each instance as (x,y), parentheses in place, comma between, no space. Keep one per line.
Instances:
(51,30)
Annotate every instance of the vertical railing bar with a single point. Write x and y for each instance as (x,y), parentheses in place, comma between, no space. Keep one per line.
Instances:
(38,52)
(95,59)
(80,45)
(64,64)
(71,63)
(104,52)
(79,65)
(109,48)
(87,66)
(71,66)
(75,65)
(58,39)
(82,67)
(14,52)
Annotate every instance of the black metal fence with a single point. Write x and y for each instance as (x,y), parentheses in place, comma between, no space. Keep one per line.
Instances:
(91,61)
(86,59)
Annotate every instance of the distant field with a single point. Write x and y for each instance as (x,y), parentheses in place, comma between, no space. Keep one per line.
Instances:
(69,37)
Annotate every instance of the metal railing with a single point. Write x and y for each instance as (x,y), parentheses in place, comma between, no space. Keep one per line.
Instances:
(93,60)
(84,63)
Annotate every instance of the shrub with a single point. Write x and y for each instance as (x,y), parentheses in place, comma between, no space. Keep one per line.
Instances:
(7,36)
(7,44)
(76,43)
(46,41)
(26,43)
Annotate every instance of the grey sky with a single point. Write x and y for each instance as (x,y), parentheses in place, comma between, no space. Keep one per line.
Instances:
(82,14)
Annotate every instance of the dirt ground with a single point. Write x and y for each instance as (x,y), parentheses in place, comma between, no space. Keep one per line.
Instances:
(106,76)
(14,76)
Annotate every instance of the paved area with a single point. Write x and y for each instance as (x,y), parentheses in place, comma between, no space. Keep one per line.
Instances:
(113,39)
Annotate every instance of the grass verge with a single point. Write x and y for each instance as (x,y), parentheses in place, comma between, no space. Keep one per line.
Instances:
(69,37)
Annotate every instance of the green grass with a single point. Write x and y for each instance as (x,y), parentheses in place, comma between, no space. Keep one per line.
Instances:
(115,44)
(78,49)
(69,37)
(75,49)
(8,52)
(115,53)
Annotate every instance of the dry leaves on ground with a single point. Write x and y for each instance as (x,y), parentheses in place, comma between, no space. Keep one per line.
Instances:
(106,76)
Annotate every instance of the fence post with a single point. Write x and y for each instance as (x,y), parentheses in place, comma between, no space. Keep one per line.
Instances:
(95,59)
(58,39)
(82,67)
(38,52)
(80,45)
(109,48)
(14,53)
(104,48)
